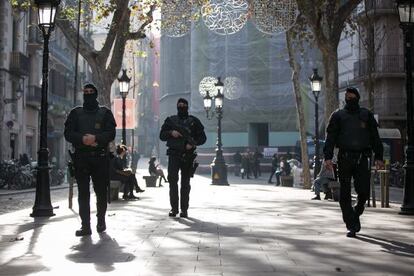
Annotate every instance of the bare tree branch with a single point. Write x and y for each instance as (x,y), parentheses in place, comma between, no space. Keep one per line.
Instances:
(119,14)
(69,31)
(141,32)
(119,48)
(343,13)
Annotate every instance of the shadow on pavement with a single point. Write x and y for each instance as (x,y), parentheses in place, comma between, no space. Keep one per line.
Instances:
(389,246)
(102,254)
(209,227)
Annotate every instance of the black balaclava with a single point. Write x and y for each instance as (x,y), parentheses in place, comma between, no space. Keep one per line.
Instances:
(352,104)
(182,111)
(90,102)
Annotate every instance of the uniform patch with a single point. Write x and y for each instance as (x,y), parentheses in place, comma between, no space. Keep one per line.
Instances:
(97,126)
(363,125)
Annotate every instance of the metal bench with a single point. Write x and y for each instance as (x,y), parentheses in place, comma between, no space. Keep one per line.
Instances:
(150,180)
(286,180)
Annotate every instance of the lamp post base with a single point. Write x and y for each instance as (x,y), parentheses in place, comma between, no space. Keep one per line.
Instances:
(219,173)
(42,211)
(407,208)
(43,206)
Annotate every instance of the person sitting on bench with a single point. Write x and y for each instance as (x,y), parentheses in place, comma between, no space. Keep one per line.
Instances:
(284,170)
(154,170)
(123,174)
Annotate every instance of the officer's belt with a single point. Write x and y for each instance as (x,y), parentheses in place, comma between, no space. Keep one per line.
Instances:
(97,152)
(354,153)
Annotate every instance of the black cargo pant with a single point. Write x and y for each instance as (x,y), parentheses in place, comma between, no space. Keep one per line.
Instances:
(96,166)
(353,165)
(176,163)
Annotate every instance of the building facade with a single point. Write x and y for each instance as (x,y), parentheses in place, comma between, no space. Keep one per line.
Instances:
(21,53)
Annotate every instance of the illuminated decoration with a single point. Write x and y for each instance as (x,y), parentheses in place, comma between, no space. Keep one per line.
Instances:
(176,17)
(225,16)
(272,17)
(233,88)
(207,85)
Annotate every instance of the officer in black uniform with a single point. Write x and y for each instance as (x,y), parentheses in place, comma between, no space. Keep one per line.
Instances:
(180,146)
(354,131)
(90,129)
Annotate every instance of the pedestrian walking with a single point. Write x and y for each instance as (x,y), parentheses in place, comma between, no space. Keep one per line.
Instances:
(237,159)
(257,159)
(245,170)
(354,131)
(275,164)
(90,128)
(183,134)
(252,164)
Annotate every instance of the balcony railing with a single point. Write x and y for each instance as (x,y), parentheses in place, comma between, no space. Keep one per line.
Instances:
(19,63)
(59,100)
(380,4)
(34,96)
(389,64)
(60,54)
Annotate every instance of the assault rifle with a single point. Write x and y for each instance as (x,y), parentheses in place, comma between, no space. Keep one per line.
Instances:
(188,156)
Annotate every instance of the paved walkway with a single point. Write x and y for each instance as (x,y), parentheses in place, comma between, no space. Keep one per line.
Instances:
(243,229)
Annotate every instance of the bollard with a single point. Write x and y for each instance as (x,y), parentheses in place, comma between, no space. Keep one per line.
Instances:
(385,189)
(374,203)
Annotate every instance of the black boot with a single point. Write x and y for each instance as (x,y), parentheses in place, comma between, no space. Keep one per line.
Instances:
(184,214)
(101,226)
(84,231)
(139,190)
(173,213)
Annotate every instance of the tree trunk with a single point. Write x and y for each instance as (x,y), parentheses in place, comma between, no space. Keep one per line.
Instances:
(330,63)
(370,44)
(295,66)
(369,83)
(3,131)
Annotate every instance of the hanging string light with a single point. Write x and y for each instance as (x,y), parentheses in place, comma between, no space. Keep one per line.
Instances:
(225,17)
(176,17)
(233,88)
(207,84)
(273,17)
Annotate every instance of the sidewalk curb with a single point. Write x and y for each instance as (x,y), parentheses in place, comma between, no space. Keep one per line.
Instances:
(32,190)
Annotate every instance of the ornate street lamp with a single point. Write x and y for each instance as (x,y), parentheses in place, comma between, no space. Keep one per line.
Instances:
(316,84)
(123,90)
(218,166)
(47,10)
(406,13)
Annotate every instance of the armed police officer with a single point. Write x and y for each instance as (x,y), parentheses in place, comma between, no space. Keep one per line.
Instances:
(354,131)
(183,133)
(90,128)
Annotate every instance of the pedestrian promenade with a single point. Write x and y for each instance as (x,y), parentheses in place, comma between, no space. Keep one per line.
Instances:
(247,228)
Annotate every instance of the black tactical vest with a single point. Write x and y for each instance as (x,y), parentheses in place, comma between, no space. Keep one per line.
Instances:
(90,122)
(178,144)
(354,130)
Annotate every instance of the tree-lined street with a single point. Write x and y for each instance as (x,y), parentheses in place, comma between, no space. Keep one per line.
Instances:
(243,229)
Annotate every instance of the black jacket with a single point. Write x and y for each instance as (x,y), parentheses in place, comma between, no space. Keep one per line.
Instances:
(177,145)
(80,122)
(355,131)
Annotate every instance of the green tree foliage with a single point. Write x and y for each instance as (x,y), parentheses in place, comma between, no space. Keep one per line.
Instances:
(327,19)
